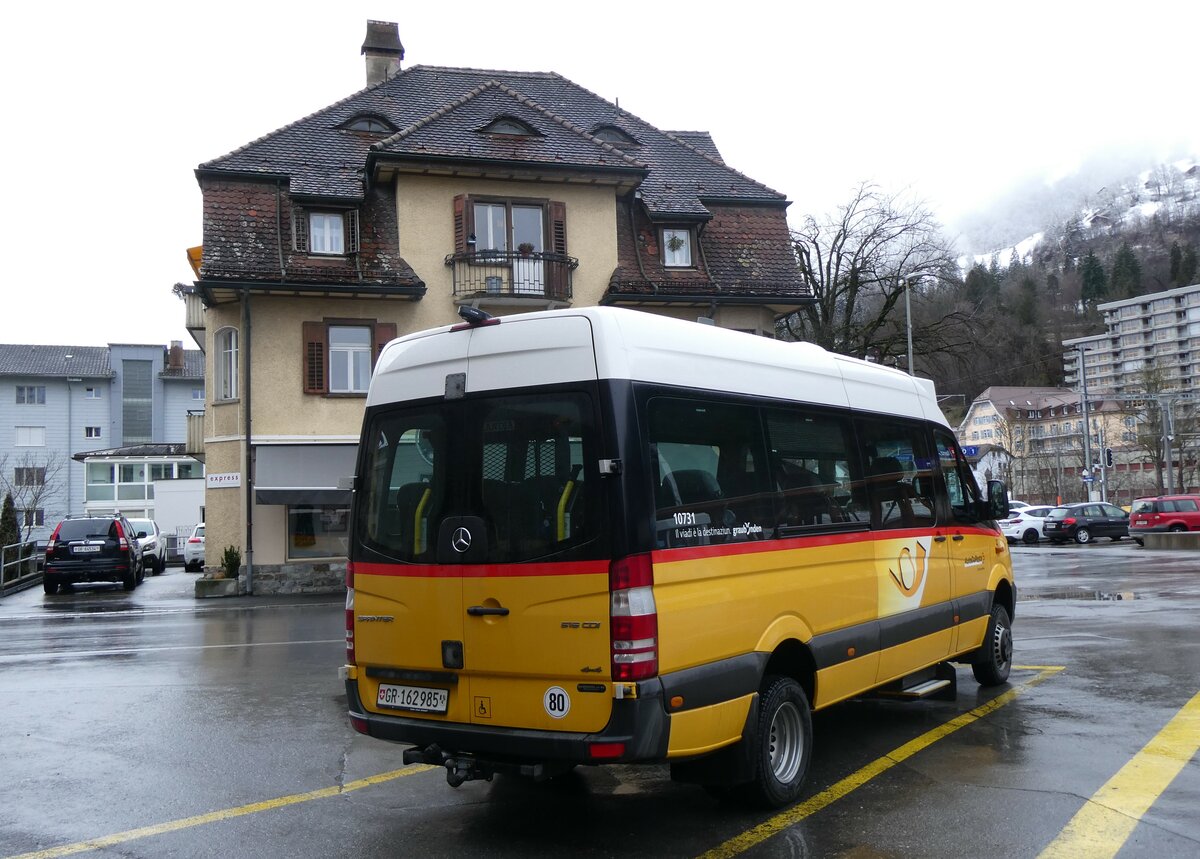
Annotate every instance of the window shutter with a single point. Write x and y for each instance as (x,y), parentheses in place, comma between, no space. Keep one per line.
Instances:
(352,241)
(299,229)
(558,227)
(461,225)
(384,333)
(316,350)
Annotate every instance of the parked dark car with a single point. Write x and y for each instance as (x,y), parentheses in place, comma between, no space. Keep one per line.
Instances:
(1085,522)
(93,549)
(1164,513)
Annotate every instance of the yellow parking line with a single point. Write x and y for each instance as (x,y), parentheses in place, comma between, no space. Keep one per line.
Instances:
(778,823)
(1103,825)
(217,816)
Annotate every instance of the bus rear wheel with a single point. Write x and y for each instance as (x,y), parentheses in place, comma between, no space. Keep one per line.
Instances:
(784,744)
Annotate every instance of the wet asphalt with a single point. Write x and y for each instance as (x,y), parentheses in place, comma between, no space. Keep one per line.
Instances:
(217,727)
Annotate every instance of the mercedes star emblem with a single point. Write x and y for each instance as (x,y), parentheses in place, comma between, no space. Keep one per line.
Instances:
(461,541)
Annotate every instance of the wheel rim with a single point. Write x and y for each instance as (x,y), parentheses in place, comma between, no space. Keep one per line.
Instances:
(1083,535)
(1002,646)
(787,743)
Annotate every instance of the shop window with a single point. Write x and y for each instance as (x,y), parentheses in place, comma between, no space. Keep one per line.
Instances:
(317,531)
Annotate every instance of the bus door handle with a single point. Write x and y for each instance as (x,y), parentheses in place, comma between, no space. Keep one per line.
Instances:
(940,538)
(481,610)
(957,537)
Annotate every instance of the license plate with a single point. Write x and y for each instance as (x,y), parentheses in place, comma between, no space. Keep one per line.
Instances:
(79,550)
(419,699)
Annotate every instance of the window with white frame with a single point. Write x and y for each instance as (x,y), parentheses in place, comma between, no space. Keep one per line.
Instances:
(31,395)
(29,436)
(349,358)
(226,359)
(327,233)
(91,393)
(33,518)
(677,247)
(91,432)
(197,393)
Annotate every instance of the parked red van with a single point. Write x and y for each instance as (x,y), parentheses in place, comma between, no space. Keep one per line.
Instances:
(1164,513)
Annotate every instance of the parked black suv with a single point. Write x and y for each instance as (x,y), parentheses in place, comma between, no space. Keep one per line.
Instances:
(93,549)
(1085,522)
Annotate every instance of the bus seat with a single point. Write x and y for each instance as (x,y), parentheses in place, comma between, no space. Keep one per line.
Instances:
(405,532)
(693,486)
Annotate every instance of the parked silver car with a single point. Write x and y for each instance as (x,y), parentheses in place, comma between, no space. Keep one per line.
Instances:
(151,542)
(193,550)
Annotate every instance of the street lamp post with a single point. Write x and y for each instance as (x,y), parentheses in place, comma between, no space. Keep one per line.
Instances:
(1087,424)
(908,322)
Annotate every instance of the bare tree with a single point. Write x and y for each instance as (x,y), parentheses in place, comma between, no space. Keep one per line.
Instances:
(31,480)
(858,264)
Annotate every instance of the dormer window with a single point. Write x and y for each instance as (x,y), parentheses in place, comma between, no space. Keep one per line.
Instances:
(369,125)
(615,136)
(510,126)
(677,247)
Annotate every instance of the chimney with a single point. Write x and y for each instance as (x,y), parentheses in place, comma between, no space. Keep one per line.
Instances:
(175,355)
(383,51)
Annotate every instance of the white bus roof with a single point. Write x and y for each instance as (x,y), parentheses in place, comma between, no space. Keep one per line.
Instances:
(640,346)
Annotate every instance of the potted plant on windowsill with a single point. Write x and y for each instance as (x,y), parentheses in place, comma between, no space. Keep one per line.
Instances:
(525,249)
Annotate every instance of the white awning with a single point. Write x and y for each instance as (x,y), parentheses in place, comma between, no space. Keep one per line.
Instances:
(303,473)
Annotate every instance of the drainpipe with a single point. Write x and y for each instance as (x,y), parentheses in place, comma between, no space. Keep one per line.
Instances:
(249,461)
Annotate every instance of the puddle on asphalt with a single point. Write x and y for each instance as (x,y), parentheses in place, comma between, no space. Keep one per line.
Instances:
(1079,594)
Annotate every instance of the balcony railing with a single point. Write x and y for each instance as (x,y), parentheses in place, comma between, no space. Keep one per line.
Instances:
(506,275)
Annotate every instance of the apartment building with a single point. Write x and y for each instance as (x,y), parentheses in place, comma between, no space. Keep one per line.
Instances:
(89,429)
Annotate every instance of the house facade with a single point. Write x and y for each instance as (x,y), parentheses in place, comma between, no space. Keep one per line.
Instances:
(1041,432)
(89,429)
(382,214)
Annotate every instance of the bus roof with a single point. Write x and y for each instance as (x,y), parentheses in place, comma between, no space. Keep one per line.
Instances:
(640,346)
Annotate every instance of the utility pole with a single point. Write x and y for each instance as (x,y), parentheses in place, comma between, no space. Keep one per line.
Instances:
(1087,424)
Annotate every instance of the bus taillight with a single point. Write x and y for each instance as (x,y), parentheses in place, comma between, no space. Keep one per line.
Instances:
(349,614)
(633,618)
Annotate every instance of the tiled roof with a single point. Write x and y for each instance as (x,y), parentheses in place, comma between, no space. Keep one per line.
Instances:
(18,359)
(321,159)
(455,131)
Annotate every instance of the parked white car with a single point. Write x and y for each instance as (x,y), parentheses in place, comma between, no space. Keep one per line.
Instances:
(1025,524)
(193,550)
(152,544)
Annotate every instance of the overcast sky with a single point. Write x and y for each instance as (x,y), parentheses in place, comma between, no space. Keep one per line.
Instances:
(109,107)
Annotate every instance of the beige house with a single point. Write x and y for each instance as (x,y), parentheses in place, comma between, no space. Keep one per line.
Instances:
(382,214)
(1042,430)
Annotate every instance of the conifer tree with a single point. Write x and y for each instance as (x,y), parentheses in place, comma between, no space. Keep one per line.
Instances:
(1176,262)
(1126,281)
(10,529)
(1187,267)
(1095,281)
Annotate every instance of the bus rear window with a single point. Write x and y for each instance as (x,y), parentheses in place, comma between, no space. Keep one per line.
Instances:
(518,463)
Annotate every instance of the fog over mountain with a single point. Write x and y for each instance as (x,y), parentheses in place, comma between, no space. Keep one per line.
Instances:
(1040,202)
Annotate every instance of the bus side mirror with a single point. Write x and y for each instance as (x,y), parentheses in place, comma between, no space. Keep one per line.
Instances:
(997,500)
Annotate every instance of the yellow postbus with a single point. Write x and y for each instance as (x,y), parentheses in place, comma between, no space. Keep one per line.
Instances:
(601,536)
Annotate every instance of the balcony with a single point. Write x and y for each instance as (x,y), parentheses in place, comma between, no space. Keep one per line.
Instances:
(195,435)
(507,277)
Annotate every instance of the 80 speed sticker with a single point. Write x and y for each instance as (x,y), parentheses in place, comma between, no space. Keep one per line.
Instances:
(557,702)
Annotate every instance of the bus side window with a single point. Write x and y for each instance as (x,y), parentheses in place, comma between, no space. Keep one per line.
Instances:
(711,481)
(897,485)
(810,456)
(958,479)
